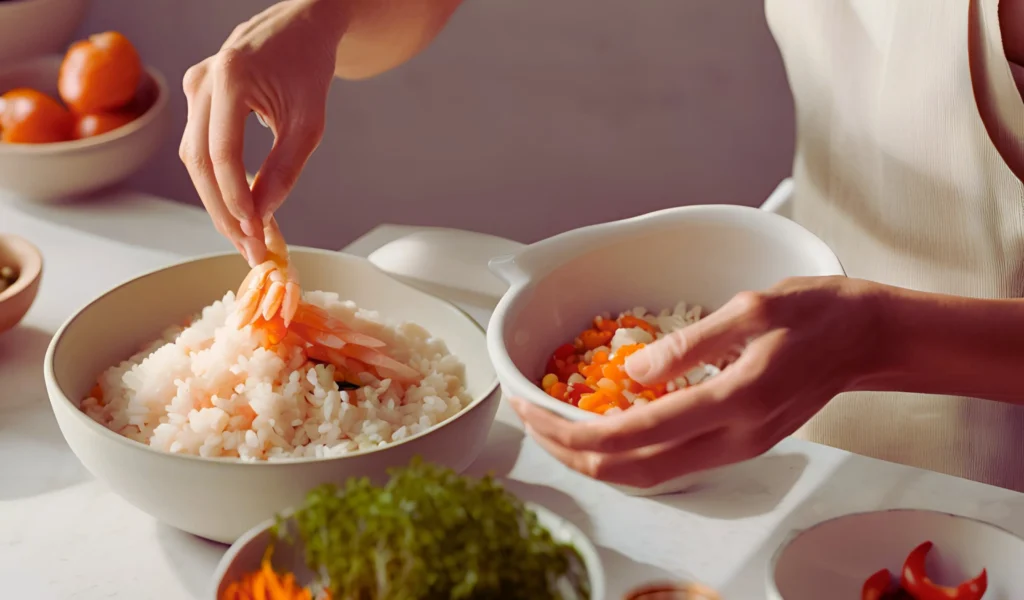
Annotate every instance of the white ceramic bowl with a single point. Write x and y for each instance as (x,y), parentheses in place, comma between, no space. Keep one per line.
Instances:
(246,554)
(62,170)
(833,559)
(220,499)
(699,254)
(34,27)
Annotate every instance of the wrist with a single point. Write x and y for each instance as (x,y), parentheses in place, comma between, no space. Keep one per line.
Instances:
(870,306)
(331,16)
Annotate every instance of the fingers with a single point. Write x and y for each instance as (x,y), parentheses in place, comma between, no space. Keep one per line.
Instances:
(228,113)
(673,418)
(293,145)
(194,153)
(706,340)
(650,466)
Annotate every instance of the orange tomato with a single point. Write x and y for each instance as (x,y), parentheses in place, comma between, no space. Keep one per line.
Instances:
(99,123)
(99,74)
(31,117)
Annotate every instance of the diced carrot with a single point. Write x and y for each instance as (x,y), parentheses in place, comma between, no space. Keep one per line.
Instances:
(591,371)
(621,401)
(594,339)
(606,325)
(612,372)
(558,390)
(603,408)
(648,394)
(630,321)
(600,357)
(590,401)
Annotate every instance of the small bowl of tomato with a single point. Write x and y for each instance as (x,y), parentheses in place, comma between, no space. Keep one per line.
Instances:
(76,123)
(896,554)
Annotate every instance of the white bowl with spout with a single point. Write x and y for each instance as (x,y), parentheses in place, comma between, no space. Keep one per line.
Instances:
(546,293)
(702,255)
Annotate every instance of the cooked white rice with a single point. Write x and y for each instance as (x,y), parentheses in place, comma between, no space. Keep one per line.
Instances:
(212,390)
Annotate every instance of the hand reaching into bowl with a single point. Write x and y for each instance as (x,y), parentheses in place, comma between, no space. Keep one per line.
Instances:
(279,64)
(810,339)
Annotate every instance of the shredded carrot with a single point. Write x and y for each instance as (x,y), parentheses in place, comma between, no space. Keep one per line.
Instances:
(266,584)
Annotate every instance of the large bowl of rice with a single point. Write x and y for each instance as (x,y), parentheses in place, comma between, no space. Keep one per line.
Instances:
(192,421)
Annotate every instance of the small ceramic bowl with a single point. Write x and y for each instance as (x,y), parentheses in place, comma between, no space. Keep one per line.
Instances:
(222,498)
(20,254)
(246,554)
(35,27)
(698,254)
(63,170)
(834,558)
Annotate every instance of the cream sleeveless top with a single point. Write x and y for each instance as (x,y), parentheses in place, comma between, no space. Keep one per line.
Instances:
(907,121)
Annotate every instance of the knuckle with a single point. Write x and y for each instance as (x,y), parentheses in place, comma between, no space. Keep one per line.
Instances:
(193,79)
(229,62)
(680,342)
(595,466)
(754,306)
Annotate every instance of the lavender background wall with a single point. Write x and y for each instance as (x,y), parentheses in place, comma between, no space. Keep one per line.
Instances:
(524,119)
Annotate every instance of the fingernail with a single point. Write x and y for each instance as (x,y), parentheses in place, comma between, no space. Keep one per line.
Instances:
(252,251)
(638,365)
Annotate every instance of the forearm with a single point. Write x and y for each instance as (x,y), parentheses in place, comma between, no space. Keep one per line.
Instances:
(938,344)
(381,34)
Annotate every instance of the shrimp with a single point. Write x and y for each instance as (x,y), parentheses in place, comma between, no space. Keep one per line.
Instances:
(270,299)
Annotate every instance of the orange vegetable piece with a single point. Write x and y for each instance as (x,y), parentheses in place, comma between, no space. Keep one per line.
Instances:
(612,372)
(99,123)
(592,401)
(647,394)
(603,408)
(630,322)
(599,358)
(31,117)
(593,339)
(558,390)
(100,73)
(606,325)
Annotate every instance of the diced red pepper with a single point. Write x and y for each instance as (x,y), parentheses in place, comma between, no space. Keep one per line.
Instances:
(877,586)
(576,391)
(914,579)
(564,351)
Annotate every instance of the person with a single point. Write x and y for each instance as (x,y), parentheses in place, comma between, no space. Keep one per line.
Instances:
(910,149)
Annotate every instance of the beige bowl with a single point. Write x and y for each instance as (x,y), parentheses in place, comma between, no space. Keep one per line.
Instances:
(220,499)
(35,27)
(15,301)
(50,172)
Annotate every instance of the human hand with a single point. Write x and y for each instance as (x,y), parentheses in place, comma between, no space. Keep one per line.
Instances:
(279,64)
(809,339)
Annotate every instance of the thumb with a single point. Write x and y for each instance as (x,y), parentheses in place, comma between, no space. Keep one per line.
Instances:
(705,341)
(281,170)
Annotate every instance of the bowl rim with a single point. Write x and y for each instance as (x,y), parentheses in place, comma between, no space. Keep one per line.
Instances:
(57,395)
(25,277)
(794,534)
(584,545)
(497,346)
(28,6)
(154,112)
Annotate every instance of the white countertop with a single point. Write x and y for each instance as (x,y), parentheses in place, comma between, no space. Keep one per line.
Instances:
(63,535)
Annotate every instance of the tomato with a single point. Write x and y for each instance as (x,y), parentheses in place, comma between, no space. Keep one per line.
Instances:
(100,123)
(99,74)
(31,117)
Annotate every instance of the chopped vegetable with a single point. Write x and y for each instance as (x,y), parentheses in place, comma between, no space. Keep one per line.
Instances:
(914,583)
(914,579)
(590,373)
(431,533)
(267,584)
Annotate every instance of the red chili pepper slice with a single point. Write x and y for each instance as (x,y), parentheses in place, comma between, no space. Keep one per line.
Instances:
(877,586)
(914,579)
(564,351)
(576,391)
